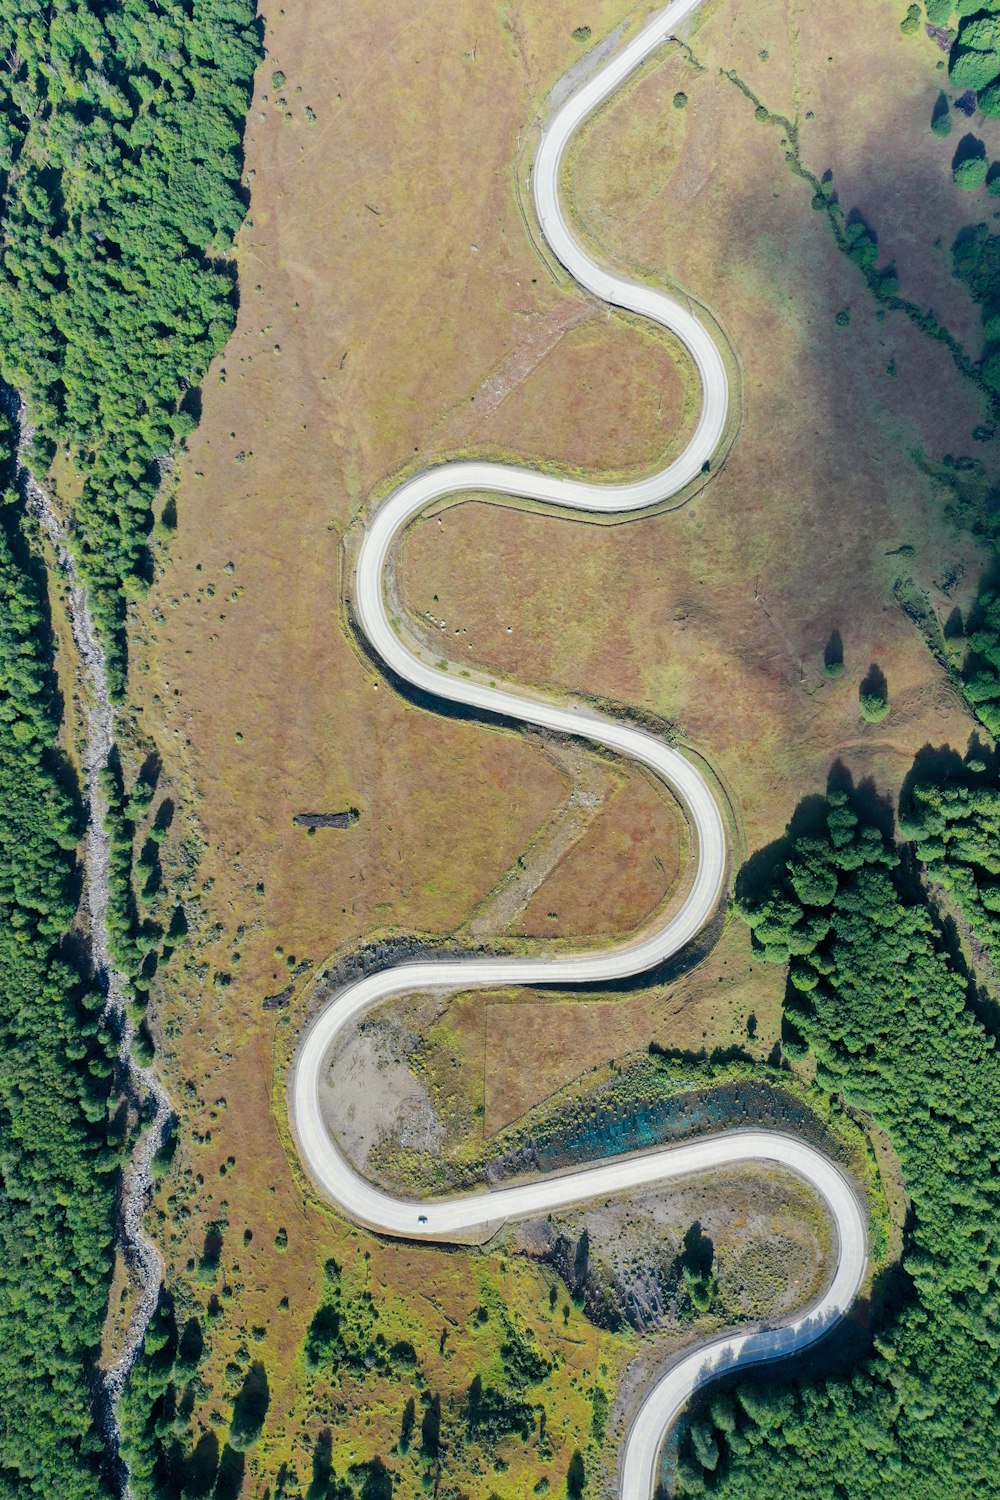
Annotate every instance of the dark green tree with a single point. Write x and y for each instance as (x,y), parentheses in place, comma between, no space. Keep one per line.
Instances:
(59,1151)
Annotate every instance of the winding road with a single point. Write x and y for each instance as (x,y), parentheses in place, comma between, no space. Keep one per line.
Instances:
(448,1218)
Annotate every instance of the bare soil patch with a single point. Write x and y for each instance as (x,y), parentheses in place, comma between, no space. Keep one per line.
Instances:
(371,1091)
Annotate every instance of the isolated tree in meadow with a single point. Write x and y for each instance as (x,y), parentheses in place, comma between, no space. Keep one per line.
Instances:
(873,696)
(696,1265)
(941,116)
(873,708)
(969,164)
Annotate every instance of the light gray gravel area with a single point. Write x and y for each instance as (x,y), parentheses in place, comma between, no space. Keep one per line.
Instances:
(370,1094)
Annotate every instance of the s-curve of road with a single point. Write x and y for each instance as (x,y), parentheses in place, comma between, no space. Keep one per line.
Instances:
(444,1218)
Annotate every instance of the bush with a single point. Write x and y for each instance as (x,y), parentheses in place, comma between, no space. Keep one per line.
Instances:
(874,707)
(969,164)
(941,116)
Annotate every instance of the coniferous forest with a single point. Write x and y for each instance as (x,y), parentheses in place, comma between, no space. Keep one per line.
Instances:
(120,155)
(59,1149)
(121,132)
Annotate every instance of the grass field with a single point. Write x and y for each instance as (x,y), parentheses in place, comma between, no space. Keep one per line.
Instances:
(393,308)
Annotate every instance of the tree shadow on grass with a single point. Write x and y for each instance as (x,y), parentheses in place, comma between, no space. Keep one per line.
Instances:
(211,1252)
(871,806)
(766,866)
(191,1344)
(322,1466)
(151,770)
(202,1465)
(933,765)
(250,1408)
(229,1484)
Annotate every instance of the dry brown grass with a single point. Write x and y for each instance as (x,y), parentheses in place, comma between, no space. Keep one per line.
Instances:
(488,1037)
(367,326)
(716,617)
(626,865)
(290,444)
